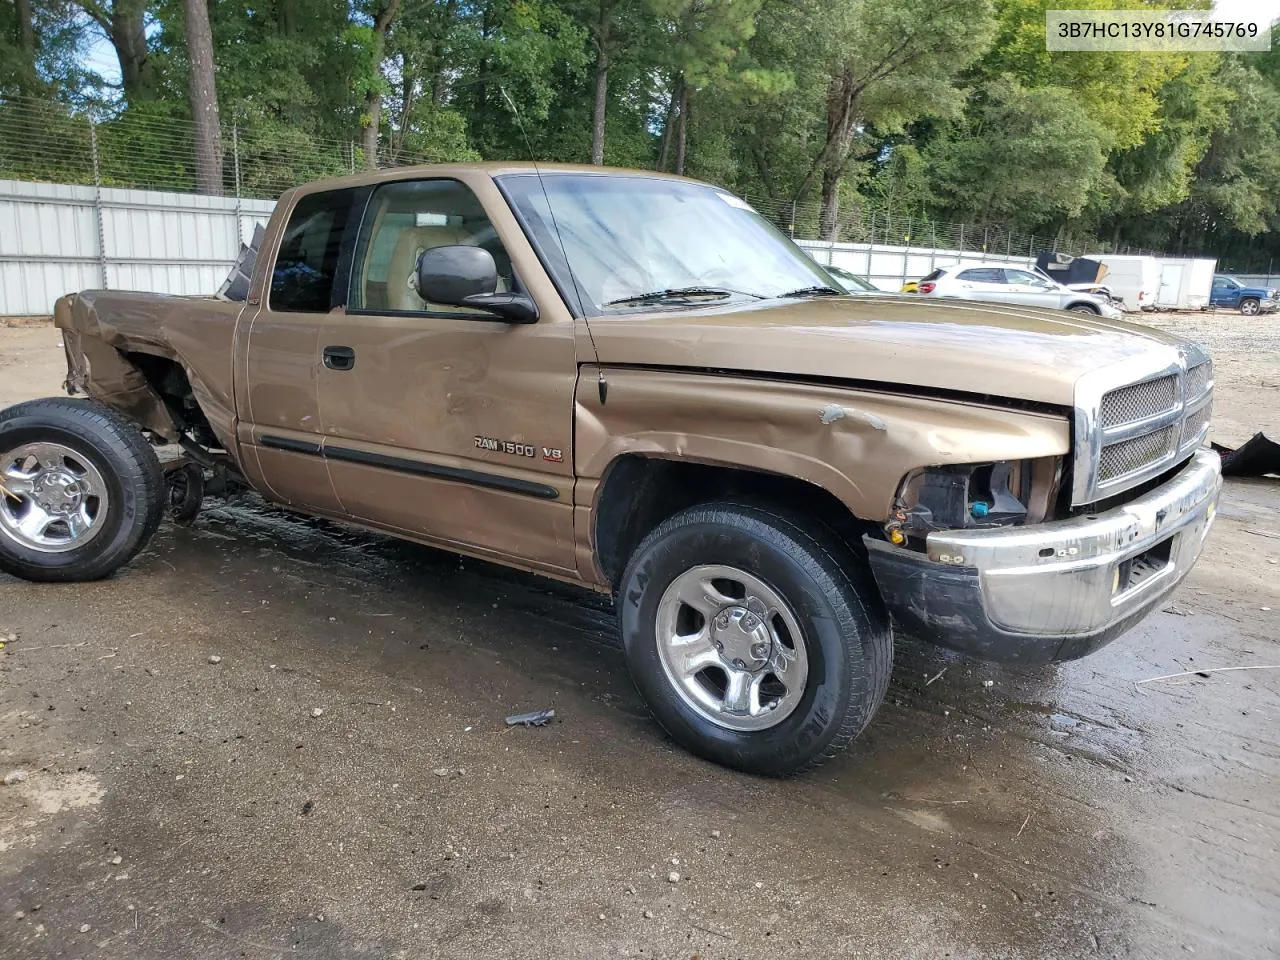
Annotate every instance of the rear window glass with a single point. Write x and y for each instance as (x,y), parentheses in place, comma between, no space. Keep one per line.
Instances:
(302,280)
(933,276)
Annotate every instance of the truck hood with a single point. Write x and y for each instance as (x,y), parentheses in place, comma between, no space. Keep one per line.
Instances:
(1017,353)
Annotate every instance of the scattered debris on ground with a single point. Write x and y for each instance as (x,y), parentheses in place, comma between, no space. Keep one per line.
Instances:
(537,718)
(1258,457)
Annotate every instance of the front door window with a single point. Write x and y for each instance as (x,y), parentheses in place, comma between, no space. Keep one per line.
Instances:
(404,220)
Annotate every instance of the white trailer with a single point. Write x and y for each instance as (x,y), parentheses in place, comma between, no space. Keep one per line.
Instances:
(1134,278)
(1185,283)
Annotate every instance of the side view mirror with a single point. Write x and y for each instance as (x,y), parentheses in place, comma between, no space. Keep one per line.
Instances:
(466,276)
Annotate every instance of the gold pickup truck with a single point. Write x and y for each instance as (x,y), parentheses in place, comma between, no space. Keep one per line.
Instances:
(633,382)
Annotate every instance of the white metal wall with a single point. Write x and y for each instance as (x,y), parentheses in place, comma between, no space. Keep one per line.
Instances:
(56,239)
(890,267)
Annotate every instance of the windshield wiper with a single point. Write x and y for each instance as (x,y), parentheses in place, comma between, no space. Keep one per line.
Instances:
(657,296)
(822,291)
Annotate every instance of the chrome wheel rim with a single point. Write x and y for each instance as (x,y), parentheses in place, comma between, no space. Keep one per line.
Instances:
(54,499)
(1249,308)
(731,647)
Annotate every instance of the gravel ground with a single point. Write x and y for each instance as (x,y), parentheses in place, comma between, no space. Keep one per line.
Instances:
(339,783)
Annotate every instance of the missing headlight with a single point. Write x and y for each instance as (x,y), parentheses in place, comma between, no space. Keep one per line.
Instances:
(1002,494)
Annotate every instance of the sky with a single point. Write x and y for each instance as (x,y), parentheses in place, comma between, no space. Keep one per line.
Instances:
(102,59)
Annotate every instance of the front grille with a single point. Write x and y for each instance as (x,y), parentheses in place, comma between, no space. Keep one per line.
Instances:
(1136,431)
(1138,401)
(1194,425)
(1128,456)
(1198,380)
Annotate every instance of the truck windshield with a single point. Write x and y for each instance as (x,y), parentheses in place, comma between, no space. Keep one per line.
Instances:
(634,241)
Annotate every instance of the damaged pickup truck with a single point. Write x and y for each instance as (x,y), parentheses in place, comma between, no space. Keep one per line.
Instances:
(633,382)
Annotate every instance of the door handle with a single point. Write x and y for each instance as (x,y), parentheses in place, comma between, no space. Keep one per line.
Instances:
(339,358)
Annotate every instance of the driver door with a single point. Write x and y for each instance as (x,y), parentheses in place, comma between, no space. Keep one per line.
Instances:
(1223,293)
(448,423)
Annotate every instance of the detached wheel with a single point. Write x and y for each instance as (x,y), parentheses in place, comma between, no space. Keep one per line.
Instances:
(756,642)
(1250,307)
(83,490)
(185,493)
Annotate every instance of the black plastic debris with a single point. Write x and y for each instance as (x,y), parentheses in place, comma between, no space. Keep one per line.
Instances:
(1257,458)
(538,718)
(236,286)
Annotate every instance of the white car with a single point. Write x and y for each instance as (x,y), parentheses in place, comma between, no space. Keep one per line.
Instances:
(1010,283)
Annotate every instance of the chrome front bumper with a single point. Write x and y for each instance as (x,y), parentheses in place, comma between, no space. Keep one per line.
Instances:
(1052,591)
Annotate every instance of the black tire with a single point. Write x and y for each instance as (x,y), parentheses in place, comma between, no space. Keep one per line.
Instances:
(1084,308)
(116,448)
(845,631)
(1250,306)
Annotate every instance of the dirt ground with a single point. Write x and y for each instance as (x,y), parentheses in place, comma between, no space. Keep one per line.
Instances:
(178,807)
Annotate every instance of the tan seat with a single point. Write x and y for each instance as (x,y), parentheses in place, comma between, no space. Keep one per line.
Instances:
(402,283)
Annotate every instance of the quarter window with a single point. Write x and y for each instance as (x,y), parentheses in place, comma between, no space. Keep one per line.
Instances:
(302,280)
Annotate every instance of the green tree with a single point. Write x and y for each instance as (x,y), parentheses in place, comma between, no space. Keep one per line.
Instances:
(886,62)
(1018,157)
(124,24)
(524,52)
(698,43)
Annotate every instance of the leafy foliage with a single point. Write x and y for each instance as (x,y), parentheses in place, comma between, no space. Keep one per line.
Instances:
(830,112)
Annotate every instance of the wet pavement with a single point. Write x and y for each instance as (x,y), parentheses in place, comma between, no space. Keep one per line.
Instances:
(178,807)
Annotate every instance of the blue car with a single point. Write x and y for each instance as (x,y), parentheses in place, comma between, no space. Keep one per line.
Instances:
(1231,293)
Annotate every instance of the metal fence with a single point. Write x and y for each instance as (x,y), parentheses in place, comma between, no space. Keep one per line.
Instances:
(41,141)
(889,266)
(58,238)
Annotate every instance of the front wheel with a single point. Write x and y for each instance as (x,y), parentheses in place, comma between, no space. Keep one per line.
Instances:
(1250,307)
(757,642)
(82,490)
(1083,308)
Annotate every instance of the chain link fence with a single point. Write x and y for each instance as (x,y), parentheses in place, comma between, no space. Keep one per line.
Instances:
(876,223)
(42,141)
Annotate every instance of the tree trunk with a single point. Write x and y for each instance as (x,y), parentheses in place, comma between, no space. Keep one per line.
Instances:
(598,114)
(369,135)
(841,125)
(386,13)
(667,129)
(204,99)
(682,131)
(127,29)
(26,47)
(829,221)
(26,29)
